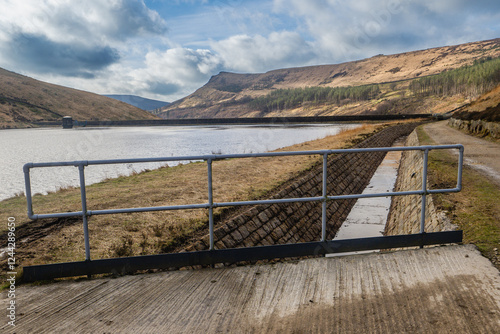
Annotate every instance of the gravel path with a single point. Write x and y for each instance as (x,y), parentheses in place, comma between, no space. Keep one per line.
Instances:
(480,154)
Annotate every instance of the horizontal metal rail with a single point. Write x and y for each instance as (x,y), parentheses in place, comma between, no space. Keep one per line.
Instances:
(85,212)
(214,157)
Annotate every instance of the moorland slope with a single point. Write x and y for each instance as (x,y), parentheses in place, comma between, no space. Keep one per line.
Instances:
(24,100)
(234,95)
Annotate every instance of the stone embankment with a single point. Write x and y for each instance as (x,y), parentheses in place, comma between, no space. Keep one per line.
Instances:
(405,212)
(301,222)
(476,127)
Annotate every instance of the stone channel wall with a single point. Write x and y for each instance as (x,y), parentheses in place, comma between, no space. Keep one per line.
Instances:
(301,222)
(405,211)
(476,127)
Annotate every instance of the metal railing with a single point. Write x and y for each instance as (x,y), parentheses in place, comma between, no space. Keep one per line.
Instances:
(210,205)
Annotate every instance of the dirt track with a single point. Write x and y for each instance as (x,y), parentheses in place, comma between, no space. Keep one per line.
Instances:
(480,154)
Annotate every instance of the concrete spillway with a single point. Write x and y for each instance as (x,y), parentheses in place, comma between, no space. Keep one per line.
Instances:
(431,290)
(369,215)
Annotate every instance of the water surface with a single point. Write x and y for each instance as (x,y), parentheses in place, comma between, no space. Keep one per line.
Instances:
(21,146)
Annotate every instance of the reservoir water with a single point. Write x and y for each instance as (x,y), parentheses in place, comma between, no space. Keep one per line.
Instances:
(21,146)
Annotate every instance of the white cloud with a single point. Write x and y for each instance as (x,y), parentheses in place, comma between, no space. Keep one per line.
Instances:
(72,38)
(177,71)
(343,31)
(258,53)
(121,46)
(92,21)
(165,75)
(181,64)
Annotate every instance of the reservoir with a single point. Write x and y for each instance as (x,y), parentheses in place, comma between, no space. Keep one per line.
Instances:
(21,146)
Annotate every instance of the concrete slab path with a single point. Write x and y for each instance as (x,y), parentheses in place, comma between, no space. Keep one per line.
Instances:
(450,289)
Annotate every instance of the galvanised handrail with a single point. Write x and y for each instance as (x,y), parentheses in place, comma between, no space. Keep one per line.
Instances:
(85,213)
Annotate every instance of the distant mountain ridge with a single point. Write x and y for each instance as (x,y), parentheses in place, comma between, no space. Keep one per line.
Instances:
(139,102)
(231,94)
(24,100)
(378,85)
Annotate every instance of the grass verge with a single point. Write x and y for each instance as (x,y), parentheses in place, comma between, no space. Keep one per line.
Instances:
(475,210)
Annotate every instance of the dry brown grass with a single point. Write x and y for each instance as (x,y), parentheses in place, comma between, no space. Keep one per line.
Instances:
(489,100)
(150,233)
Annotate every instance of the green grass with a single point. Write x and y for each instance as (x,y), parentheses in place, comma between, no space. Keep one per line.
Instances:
(476,209)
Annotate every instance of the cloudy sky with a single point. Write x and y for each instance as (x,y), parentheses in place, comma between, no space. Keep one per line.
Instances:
(167,49)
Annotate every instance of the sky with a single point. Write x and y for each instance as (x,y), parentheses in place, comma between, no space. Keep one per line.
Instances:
(165,50)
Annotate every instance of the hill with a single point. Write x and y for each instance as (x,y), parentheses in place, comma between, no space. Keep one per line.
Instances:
(24,100)
(139,102)
(486,108)
(489,100)
(235,95)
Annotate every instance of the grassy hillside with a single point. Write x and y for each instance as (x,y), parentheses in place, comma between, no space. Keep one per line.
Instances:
(24,100)
(238,95)
(485,108)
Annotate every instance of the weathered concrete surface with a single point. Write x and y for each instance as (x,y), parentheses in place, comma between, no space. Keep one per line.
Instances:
(369,215)
(433,290)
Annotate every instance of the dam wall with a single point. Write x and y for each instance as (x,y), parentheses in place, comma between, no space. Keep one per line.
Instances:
(235,121)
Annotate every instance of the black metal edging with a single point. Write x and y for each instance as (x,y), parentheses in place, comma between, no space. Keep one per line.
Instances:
(176,260)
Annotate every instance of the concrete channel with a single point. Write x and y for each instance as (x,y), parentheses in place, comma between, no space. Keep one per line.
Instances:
(369,215)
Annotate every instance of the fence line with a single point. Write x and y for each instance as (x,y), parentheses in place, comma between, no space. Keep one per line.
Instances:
(210,205)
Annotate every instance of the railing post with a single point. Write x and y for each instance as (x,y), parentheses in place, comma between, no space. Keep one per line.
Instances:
(424,191)
(83,194)
(325,197)
(210,203)
(460,167)
(27,184)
